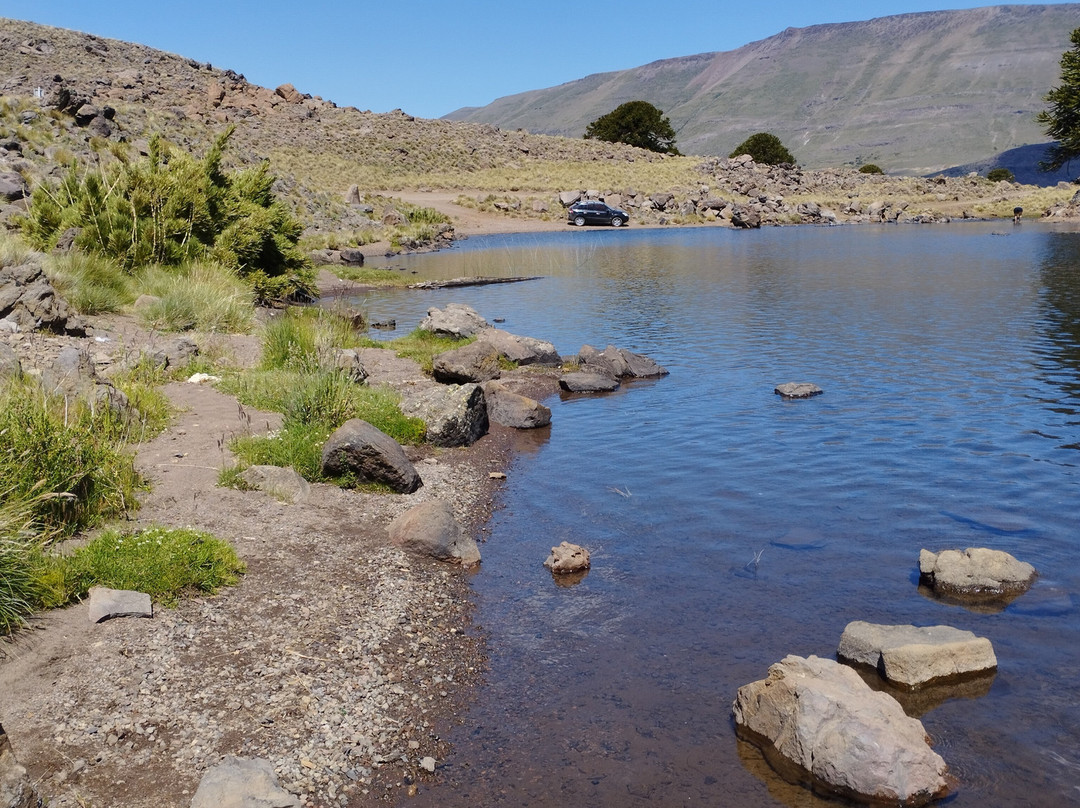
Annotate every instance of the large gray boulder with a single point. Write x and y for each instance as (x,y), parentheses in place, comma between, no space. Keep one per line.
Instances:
(242,783)
(29,300)
(107,604)
(619,362)
(15,789)
(430,529)
(476,362)
(456,415)
(74,375)
(913,656)
(457,320)
(520,350)
(975,574)
(588,381)
(820,717)
(372,456)
(511,409)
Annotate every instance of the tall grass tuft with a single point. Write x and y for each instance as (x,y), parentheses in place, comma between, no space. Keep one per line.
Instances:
(93,284)
(423,346)
(200,295)
(20,559)
(302,338)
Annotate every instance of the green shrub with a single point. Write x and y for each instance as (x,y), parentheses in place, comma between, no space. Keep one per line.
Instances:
(64,457)
(636,123)
(164,563)
(1000,175)
(765,148)
(870,168)
(170,208)
(199,295)
(92,283)
(301,337)
(20,560)
(423,346)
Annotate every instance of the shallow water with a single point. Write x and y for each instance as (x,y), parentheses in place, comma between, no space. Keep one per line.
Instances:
(729,528)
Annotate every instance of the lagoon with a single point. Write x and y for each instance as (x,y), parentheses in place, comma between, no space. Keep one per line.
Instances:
(729,528)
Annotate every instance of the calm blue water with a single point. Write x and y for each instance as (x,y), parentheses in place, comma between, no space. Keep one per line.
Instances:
(950,360)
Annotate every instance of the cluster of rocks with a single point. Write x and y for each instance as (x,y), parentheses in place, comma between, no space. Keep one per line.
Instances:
(28,301)
(843,727)
(1064,210)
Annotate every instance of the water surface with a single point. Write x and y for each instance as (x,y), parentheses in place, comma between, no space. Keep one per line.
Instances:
(729,528)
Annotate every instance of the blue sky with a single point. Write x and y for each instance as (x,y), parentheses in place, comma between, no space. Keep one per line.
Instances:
(432,58)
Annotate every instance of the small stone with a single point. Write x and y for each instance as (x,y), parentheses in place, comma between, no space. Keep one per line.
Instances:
(427,764)
(798,390)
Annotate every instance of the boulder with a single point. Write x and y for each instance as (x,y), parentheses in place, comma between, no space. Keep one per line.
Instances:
(242,783)
(430,529)
(566,558)
(348,360)
(746,217)
(74,375)
(105,604)
(815,718)
(289,94)
(476,362)
(913,656)
(975,574)
(173,353)
(457,320)
(28,299)
(798,390)
(15,789)
(510,409)
(13,186)
(284,483)
(568,198)
(352,196)
(10,366)
(520,350)
(587,381)
(619,362)
(456,415)
(372,456)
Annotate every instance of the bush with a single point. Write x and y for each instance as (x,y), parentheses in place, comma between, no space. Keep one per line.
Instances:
(169,208)
(764,148)
(870,168)
(635,123)
(1000,175)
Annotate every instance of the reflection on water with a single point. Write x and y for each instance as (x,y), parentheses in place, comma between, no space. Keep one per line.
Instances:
(729,528)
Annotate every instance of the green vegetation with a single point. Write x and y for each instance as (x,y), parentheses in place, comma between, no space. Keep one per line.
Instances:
(765,148)
(635,123)
(164,563)
(1062,120)
(1000,175)
(423,346)
(870,168)
(171,208)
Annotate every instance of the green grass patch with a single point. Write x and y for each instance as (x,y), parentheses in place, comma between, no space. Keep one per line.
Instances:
(374,276)
(423,346)
(199,295)
(303,338)
(162,562)
(92,283)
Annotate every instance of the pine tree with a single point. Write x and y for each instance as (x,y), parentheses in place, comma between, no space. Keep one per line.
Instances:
(1062,120)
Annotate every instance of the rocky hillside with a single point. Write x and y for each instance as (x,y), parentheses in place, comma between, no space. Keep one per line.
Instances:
(917,93)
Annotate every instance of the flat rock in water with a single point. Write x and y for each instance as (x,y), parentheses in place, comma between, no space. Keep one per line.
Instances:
(976,573)
(912,656)
(568,557)
(798,390)
(585,382)
(106,604)
(816,717)
(241,783)
(456,320)
(510,409)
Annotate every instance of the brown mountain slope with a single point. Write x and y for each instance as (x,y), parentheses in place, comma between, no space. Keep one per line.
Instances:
(911,92)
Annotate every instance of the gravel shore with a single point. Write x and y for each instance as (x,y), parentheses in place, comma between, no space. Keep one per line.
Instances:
(338,657)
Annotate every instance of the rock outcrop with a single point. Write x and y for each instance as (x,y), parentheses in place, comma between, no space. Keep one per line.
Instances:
(372,456)
(28,300)
(976,574)
(430,529)
(912,656)
(817,719)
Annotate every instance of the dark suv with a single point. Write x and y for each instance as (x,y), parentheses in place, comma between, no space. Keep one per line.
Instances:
(582,213)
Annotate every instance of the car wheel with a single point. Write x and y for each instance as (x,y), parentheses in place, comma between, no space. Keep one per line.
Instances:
(579,221)
(616,221)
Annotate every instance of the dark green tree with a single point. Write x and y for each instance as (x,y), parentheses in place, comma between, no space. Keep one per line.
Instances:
(635,123)
(764,148)
(1062,120)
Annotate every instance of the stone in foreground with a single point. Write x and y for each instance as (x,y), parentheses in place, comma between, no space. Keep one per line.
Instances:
(508,408)
(241,783)
(976,574)
(455,415)
(567,557)
(818,722)
(914,656)
(798,390)
(284,483)
(105,604)
(15,788)
(430,529)
(358,448)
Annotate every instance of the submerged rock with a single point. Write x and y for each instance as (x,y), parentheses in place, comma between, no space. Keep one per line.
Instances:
(584,381)
(798,390)
(913,656)
(568,557)
(816,720)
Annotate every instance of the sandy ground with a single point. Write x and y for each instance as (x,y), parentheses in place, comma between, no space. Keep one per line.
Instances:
(337,657)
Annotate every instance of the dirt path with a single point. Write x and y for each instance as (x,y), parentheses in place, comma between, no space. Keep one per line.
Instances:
(337,657)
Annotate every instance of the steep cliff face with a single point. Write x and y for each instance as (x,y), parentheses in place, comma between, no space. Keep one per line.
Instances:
(913,92)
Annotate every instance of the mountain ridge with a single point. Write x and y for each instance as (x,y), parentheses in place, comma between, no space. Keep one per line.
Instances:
(917,93)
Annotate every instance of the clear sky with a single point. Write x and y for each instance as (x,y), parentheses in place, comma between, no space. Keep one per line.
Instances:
(432,58)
